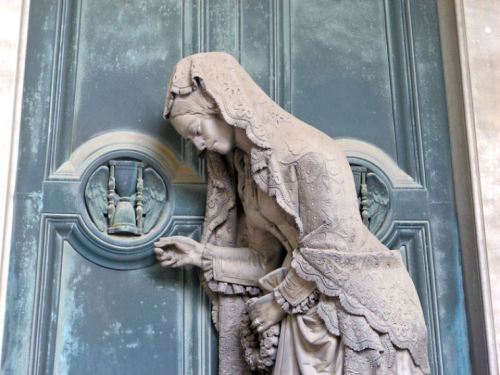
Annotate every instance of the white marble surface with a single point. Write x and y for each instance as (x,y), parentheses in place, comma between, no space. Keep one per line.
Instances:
(482,22)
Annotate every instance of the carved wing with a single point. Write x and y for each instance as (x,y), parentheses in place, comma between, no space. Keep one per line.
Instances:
(377,201)
(155,196)
(96,194)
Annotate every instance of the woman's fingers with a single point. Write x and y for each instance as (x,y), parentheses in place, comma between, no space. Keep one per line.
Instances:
(255,316)
(169,263)
(256,323)
(171,258)
(186,251)
(158,252)
(162,242)
(185,244)
(167,241)
(261,328)
(180,243)
(252,312)
(164,256)
(262,312)
(167,259)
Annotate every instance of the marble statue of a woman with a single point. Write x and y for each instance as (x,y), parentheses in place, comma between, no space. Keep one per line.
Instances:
(283,238)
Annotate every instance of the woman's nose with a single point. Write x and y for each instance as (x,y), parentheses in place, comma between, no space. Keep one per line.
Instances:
(200,144)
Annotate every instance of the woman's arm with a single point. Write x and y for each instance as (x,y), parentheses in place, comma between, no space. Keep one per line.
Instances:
(245,265)
(294,294)
(238,265)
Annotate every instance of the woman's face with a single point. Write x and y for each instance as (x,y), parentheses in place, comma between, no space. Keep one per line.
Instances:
(206,132)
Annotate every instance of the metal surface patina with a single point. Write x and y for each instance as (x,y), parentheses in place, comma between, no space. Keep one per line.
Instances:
(82,300)
(298,283)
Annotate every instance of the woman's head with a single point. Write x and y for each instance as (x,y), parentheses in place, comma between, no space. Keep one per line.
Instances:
(215,84)
(197,118)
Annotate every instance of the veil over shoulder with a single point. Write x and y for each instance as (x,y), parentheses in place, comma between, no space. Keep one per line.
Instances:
(367,296)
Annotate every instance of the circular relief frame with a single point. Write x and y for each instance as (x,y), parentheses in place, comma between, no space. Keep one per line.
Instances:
(121,251)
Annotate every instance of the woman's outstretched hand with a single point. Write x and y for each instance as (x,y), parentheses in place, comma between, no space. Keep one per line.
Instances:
(264,312)
(178,251)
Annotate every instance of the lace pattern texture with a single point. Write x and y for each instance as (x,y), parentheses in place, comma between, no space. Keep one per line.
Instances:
(311,181)
(301,308)
(366,295)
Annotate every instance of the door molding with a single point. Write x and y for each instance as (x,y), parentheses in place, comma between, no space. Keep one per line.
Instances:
(467,187)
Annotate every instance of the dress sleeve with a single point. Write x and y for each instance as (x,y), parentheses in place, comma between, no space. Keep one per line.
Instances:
(220,284)
(232,270)
(294,294)
(234,265)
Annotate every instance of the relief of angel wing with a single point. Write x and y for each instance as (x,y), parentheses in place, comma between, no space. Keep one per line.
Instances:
(96,194)
(377,201)
(155,197)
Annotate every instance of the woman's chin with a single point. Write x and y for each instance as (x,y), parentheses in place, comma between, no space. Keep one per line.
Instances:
(221,148)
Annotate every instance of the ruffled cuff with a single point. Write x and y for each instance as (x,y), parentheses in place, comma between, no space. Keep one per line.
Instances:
(221,286)
(304,306)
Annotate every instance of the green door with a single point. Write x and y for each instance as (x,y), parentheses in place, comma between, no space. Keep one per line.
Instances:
(84,294)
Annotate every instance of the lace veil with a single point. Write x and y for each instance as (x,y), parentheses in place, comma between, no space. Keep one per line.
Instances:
(367,297)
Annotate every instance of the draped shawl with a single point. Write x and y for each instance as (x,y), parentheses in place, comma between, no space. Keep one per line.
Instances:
(366,290)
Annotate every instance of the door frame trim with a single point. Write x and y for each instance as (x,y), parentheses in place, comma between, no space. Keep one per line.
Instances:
(9,164)
(464,154)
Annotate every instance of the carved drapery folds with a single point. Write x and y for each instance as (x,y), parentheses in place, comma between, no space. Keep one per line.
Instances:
(306,197)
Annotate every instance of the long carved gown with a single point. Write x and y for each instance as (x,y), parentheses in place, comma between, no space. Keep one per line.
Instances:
(305,345)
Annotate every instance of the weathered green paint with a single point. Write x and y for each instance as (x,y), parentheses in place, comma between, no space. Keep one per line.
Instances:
(368,69)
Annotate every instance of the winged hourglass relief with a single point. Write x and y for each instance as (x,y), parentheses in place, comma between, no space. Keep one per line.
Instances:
(125,197)
(373,197)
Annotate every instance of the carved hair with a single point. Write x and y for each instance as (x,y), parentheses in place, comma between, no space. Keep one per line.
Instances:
(195,103)
(241,102)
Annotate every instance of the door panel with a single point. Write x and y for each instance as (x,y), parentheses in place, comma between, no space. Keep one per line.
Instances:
(353,91)
(107,324)
(82,301)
